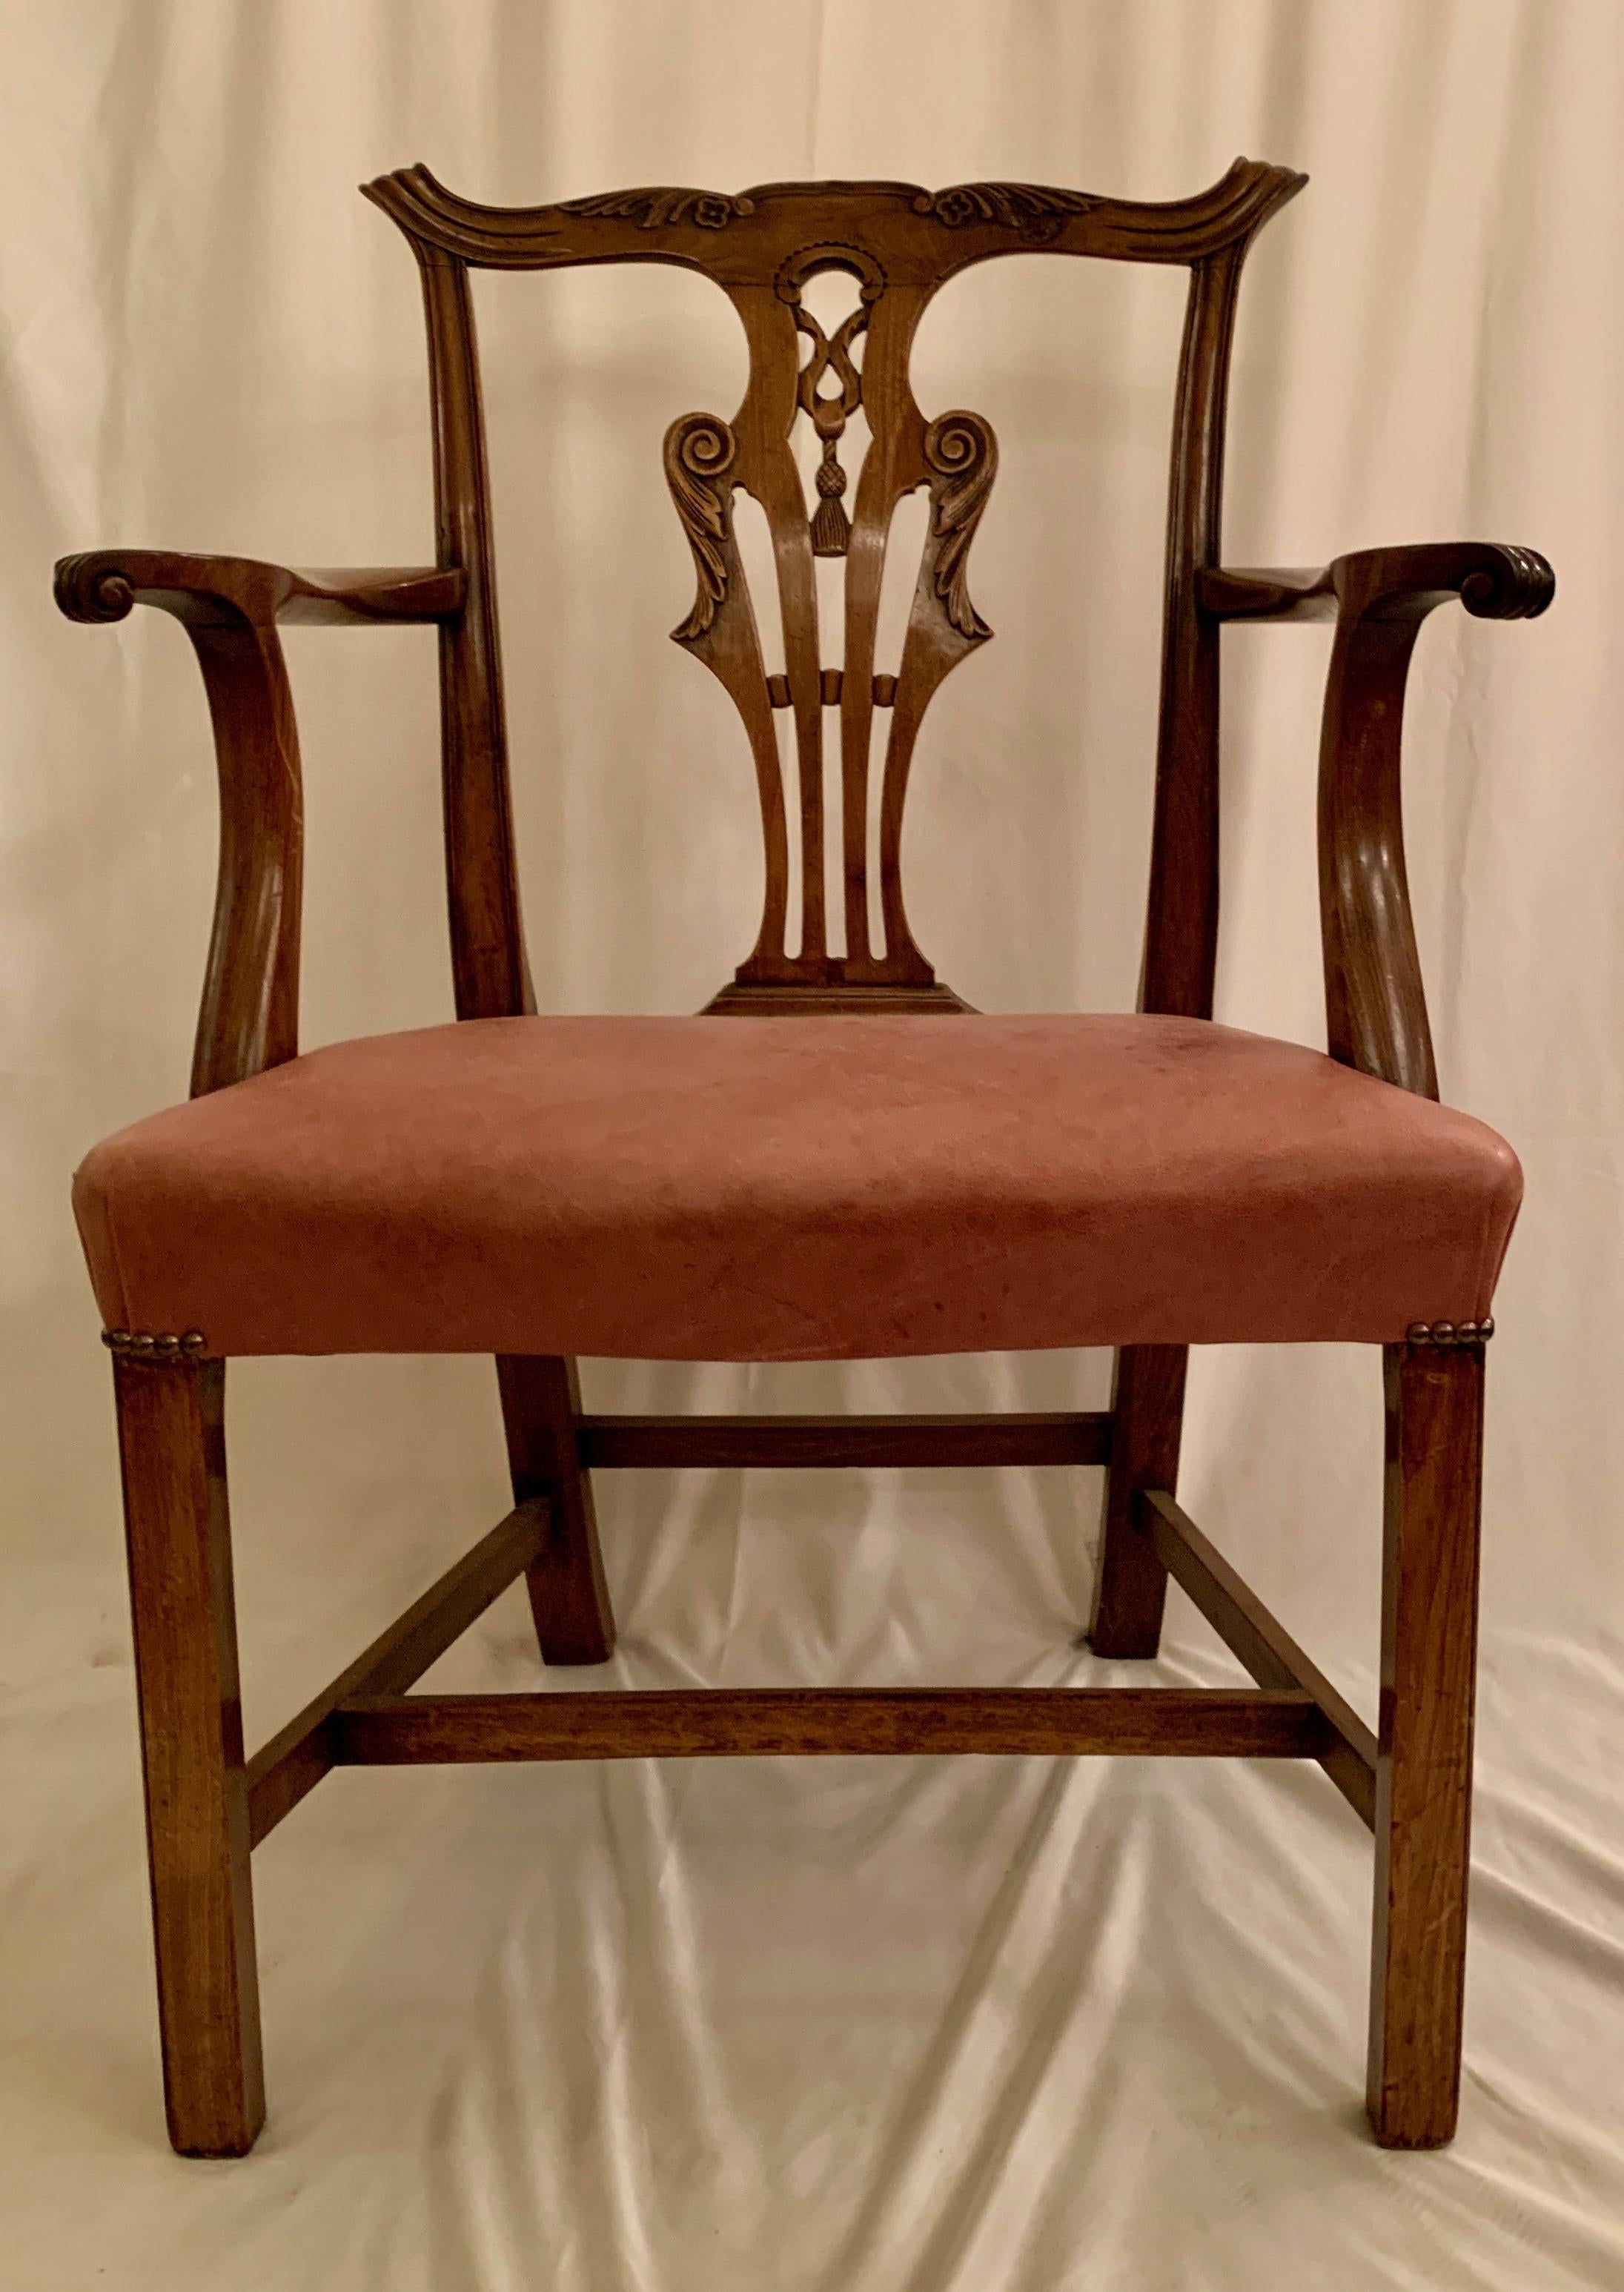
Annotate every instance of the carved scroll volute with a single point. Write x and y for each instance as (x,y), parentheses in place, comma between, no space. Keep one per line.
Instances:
(700,455)
(701,451)
(961,453)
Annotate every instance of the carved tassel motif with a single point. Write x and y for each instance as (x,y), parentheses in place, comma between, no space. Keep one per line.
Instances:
(831,528)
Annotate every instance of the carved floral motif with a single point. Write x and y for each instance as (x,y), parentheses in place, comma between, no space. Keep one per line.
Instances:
(653,209)
(1036,209)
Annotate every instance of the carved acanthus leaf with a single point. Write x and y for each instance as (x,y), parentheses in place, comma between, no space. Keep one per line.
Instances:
(652,208)
(962,451)
(699,449)
(1035,208)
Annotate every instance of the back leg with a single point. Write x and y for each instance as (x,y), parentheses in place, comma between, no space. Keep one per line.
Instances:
(1130,1586)
(541,1407)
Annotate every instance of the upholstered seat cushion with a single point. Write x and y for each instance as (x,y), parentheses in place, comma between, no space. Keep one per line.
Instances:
(796,1188)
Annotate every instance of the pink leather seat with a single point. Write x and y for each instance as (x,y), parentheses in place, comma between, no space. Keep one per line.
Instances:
(821,1188)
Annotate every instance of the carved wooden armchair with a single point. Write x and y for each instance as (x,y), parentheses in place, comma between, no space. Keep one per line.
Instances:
(890,1175)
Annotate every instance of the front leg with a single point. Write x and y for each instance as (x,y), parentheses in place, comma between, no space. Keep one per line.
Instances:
(1434,1398)
(172,1444)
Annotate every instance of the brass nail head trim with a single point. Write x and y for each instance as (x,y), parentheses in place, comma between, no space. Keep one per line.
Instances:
(1450,1333)
(141,1344)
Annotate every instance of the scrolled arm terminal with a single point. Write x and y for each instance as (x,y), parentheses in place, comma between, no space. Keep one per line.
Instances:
(1517,586)
(88,588)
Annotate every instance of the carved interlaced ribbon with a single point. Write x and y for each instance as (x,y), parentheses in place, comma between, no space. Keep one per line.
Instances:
(829,413)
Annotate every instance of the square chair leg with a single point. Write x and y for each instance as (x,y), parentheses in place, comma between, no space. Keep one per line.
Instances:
(173,1448)
(541,1407)
(1130,1586)
(1424,1763)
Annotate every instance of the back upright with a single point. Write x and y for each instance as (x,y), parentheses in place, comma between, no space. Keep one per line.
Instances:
(898,244)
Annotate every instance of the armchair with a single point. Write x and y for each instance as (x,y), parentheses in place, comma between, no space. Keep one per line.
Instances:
(890,1174)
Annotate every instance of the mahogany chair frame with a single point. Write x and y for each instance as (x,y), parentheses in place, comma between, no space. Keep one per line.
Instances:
(208,1804)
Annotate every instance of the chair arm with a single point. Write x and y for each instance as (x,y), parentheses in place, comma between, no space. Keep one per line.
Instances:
(1497,581)
(102,585)
(249,1018)
(1266,593)
(1375,1002)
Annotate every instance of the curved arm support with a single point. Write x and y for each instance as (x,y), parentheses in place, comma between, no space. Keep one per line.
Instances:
(1375,1003)
(248,1018)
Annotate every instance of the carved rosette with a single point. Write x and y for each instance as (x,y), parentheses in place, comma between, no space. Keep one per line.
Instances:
(1036,210)
(962,453)
(699,451)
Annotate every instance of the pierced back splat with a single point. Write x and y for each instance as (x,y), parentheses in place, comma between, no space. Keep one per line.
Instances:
(898,244)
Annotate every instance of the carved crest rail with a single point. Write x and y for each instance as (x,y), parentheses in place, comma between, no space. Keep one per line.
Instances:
(898,244)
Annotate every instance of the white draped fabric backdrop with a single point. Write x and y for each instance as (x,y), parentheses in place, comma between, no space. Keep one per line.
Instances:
(906,2027)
